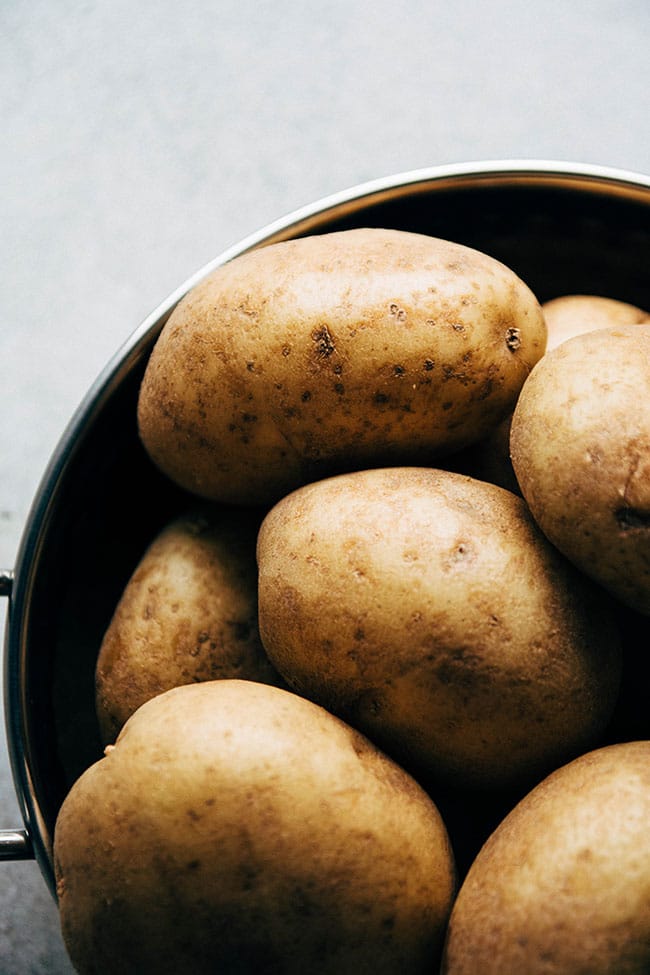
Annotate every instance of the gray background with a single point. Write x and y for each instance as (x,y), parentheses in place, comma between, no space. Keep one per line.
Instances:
(142,139)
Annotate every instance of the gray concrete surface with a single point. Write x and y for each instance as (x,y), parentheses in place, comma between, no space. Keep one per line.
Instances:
(141,139)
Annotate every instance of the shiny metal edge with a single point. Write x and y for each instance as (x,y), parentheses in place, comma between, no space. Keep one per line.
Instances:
(6,582)
(306,219)
(15,844)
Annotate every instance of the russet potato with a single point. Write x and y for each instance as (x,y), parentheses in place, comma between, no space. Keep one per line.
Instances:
(188,613)
(236,828)
(562,887)
(337,351)
(429,611)
(580,447)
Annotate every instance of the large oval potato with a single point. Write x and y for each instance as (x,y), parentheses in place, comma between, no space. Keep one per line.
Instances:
(562,887)
(429,610)
(188,613)
(341,350)
(580,446)
(237,828)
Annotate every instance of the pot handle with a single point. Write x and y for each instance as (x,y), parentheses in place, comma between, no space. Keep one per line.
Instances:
(15,844)
(6,582)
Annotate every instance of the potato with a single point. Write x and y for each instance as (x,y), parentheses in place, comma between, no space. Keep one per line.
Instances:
(428,610)
(317,355)
(570,315)
(188,613)
(562,887)
(235,827)
(580,446)
(566,316)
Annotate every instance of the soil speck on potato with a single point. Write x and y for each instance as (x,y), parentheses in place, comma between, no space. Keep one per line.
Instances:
(325,345)
(513,339)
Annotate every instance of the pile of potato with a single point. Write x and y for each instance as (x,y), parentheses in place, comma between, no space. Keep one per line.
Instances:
(372,703)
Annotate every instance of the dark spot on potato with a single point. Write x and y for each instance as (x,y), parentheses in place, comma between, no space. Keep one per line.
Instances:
(428,365)
(398,370)
(250,366)
(630,519)
(286,351)
(337,369)
(325,344)
(397,312)
(513,339)
(457,327)
(485,389)
(447,406)
(339,388)
(380,398)
(193,864)
(359,634)
(249,417)
(306,396)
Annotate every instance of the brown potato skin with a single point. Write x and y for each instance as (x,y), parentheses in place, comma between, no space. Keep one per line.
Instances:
(565,316)
(188,613)
(350,349)
(562,887)
(569,315)
(235,827)
(580,447)
(429,611)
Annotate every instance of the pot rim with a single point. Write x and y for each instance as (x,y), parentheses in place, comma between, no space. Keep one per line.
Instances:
(33,840)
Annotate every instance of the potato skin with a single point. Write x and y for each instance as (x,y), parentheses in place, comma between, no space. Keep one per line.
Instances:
(235,827)
(569,315)
(565,316)
(580,447)
(562,887)
(188,613)
(429,611)
(350,349)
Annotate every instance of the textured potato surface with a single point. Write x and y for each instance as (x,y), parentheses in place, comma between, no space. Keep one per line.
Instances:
(562,887)
(188,613)
(580,447)
(341,350)
(565,316)
(236,828)
(569,315)
(429,610)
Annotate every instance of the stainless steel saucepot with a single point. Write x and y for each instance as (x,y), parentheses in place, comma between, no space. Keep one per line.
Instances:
(563,228)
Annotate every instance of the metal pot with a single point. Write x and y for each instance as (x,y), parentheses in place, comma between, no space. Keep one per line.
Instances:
(563,228)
